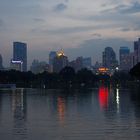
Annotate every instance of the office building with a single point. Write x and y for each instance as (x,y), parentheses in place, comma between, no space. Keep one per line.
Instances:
(60,61)
(81,62)
(109,58)
(1,62)
(137,51)
(16,65)
(78,63)
(52,55)
(124,58)
(39,67)
(20,53)
(87,62)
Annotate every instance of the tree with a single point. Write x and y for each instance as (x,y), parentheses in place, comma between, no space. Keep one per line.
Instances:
(135,71)
(85,76)
(67,73)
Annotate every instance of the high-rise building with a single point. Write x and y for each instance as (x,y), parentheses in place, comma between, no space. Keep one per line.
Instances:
(20,53)
(1,62)
(124,58)
(39,67)
(79,63)
(137,51)
(60,61)
(52,55)
(109,58)
(87,62)
(16,65)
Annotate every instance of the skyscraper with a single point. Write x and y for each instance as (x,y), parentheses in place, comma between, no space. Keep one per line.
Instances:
(52,55)
(79,63)
(1,65)
(137,51)
(20,53)
(87,62)
(39,67)
(109,58)
(16,65)
(124,58)
(60,61)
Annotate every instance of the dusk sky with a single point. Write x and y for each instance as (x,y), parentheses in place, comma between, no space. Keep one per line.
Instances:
(80,27)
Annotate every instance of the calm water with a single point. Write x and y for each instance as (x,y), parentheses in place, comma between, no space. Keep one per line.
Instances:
(95,114)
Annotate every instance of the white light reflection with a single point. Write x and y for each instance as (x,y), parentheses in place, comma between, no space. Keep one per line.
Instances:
(117,99)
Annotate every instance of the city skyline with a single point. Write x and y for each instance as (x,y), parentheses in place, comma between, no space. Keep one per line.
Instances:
(47,60)
(68,53)
(48,25)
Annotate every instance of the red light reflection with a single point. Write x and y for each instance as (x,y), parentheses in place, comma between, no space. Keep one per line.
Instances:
(103,97)
(61,109)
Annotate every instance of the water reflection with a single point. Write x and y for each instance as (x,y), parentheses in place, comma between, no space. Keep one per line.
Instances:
(0,107)
(104,113)
(61,109)
(19,113)
(103,97)
(117,99)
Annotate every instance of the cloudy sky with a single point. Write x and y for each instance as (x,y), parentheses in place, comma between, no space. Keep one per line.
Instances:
(80,27)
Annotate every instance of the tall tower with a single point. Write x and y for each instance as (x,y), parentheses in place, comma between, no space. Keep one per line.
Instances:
(1,65)
(137,51)
(124,58)
(109,58)
(20,53)
(60,61)
(52,55)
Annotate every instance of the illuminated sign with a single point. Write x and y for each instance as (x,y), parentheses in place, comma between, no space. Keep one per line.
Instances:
(17,62)
(103,70)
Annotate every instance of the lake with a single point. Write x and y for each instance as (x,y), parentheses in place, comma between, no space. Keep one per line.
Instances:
(103,113)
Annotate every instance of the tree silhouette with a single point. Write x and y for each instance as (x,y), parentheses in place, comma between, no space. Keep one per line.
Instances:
(135,71)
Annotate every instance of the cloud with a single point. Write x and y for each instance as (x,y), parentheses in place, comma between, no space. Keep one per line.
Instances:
(68,22)
(134,8)
(137,27)
(66,1)
(96,35)
(130,8)
(60,7)
(125,29)
(64,30)
(1,22)
(71,30)
(40,20)
(2,25)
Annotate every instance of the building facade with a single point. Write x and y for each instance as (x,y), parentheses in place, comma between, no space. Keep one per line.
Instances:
(39,67)
(87,62)
(124,53)
(20,53)
(1,62)
(16,65)
(52,55)
(109,58)
(137,51)
(60,61)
